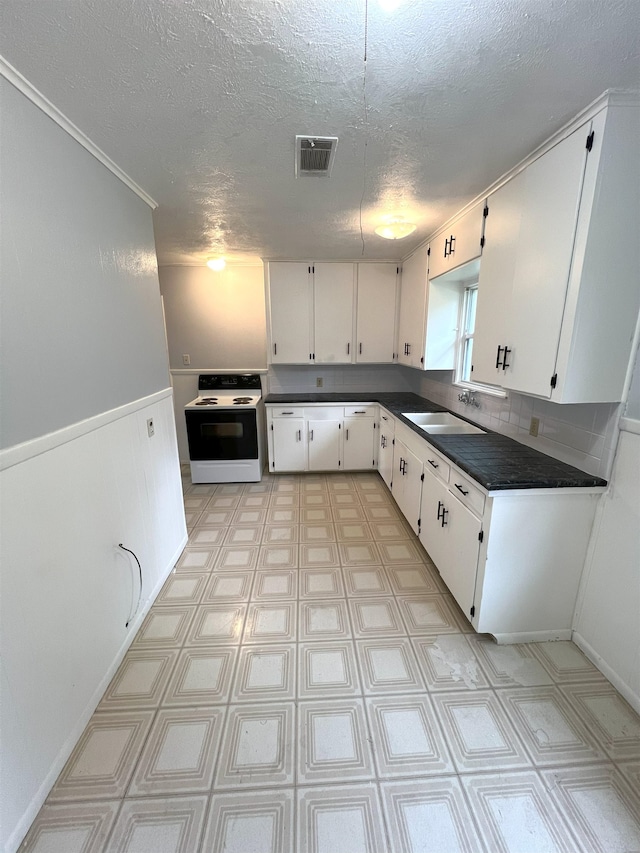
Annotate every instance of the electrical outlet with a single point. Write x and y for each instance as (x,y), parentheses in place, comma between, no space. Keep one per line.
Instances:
(534,426)
(186,359)
(150,427)
(319,382)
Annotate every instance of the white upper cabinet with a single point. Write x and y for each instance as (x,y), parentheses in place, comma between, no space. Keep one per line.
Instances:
(558,295)
(376,314)
(312,312)
(495,285)
(290,305)
(334,296)
(460,243)
(413,301)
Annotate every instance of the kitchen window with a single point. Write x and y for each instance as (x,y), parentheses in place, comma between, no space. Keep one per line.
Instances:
(464,358)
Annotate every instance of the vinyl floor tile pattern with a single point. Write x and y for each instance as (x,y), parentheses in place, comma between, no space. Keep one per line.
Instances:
(305,683)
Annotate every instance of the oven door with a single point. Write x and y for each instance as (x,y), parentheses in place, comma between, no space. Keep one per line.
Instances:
(222,434)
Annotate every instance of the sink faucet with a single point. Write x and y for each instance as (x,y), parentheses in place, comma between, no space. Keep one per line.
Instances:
(468,398)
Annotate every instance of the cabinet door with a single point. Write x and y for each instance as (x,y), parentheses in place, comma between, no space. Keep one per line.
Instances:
(359,444)
(553,186)
(449,533)
(385,449)
(376,314)
(459,244)
(407,483)
(495,284)
(333,286)
(412,323)
(289,445)
(324,445)
(290,311)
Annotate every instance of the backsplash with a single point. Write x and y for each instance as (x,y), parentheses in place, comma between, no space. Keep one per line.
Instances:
(337,379)
(583,435)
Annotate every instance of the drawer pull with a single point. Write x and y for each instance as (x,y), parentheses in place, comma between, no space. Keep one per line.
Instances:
(434,465)
(384,417)
(360,412)
(460,489)
(286,413)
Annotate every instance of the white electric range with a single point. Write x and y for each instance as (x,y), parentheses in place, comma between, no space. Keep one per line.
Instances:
(225,429)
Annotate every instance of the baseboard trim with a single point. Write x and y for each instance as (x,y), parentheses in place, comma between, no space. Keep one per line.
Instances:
(609,673)
(17,836)
(533,637)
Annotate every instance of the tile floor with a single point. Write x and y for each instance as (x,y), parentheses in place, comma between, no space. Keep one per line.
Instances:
(305,683)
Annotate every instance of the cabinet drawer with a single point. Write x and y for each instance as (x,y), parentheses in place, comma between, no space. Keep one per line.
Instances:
(287,412)
(361,411)
(323,413)
(467,492)
(437,464)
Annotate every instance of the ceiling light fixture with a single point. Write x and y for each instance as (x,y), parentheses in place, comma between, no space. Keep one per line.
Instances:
(395,229)
(216,264)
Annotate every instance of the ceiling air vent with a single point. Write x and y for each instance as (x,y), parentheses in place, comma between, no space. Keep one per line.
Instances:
(314,155)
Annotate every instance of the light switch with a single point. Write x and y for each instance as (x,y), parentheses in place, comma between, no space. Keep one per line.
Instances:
(186,359)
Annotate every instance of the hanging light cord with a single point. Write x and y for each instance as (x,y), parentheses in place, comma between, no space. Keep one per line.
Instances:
(366,118)
(129,551)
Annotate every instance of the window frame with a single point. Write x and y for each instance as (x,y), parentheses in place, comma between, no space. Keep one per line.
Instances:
(462,340)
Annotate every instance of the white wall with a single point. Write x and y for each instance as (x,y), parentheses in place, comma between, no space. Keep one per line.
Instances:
(217,318)
(607,624)
(84,367)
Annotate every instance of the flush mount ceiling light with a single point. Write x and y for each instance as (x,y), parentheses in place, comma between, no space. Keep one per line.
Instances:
(395,229)
(216,264)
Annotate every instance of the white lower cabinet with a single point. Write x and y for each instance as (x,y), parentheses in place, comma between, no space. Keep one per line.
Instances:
(385,447)
(359,443)
(450,533)
(512,559)
(287,444)
(407,482)
(323,438)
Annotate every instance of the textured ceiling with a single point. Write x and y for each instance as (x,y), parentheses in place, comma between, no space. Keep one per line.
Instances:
(199,101)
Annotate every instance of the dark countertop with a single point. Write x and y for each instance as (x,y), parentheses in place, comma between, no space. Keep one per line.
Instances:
(495,461)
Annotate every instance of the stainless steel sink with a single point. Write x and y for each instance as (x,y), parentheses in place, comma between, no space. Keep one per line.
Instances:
(442,423)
